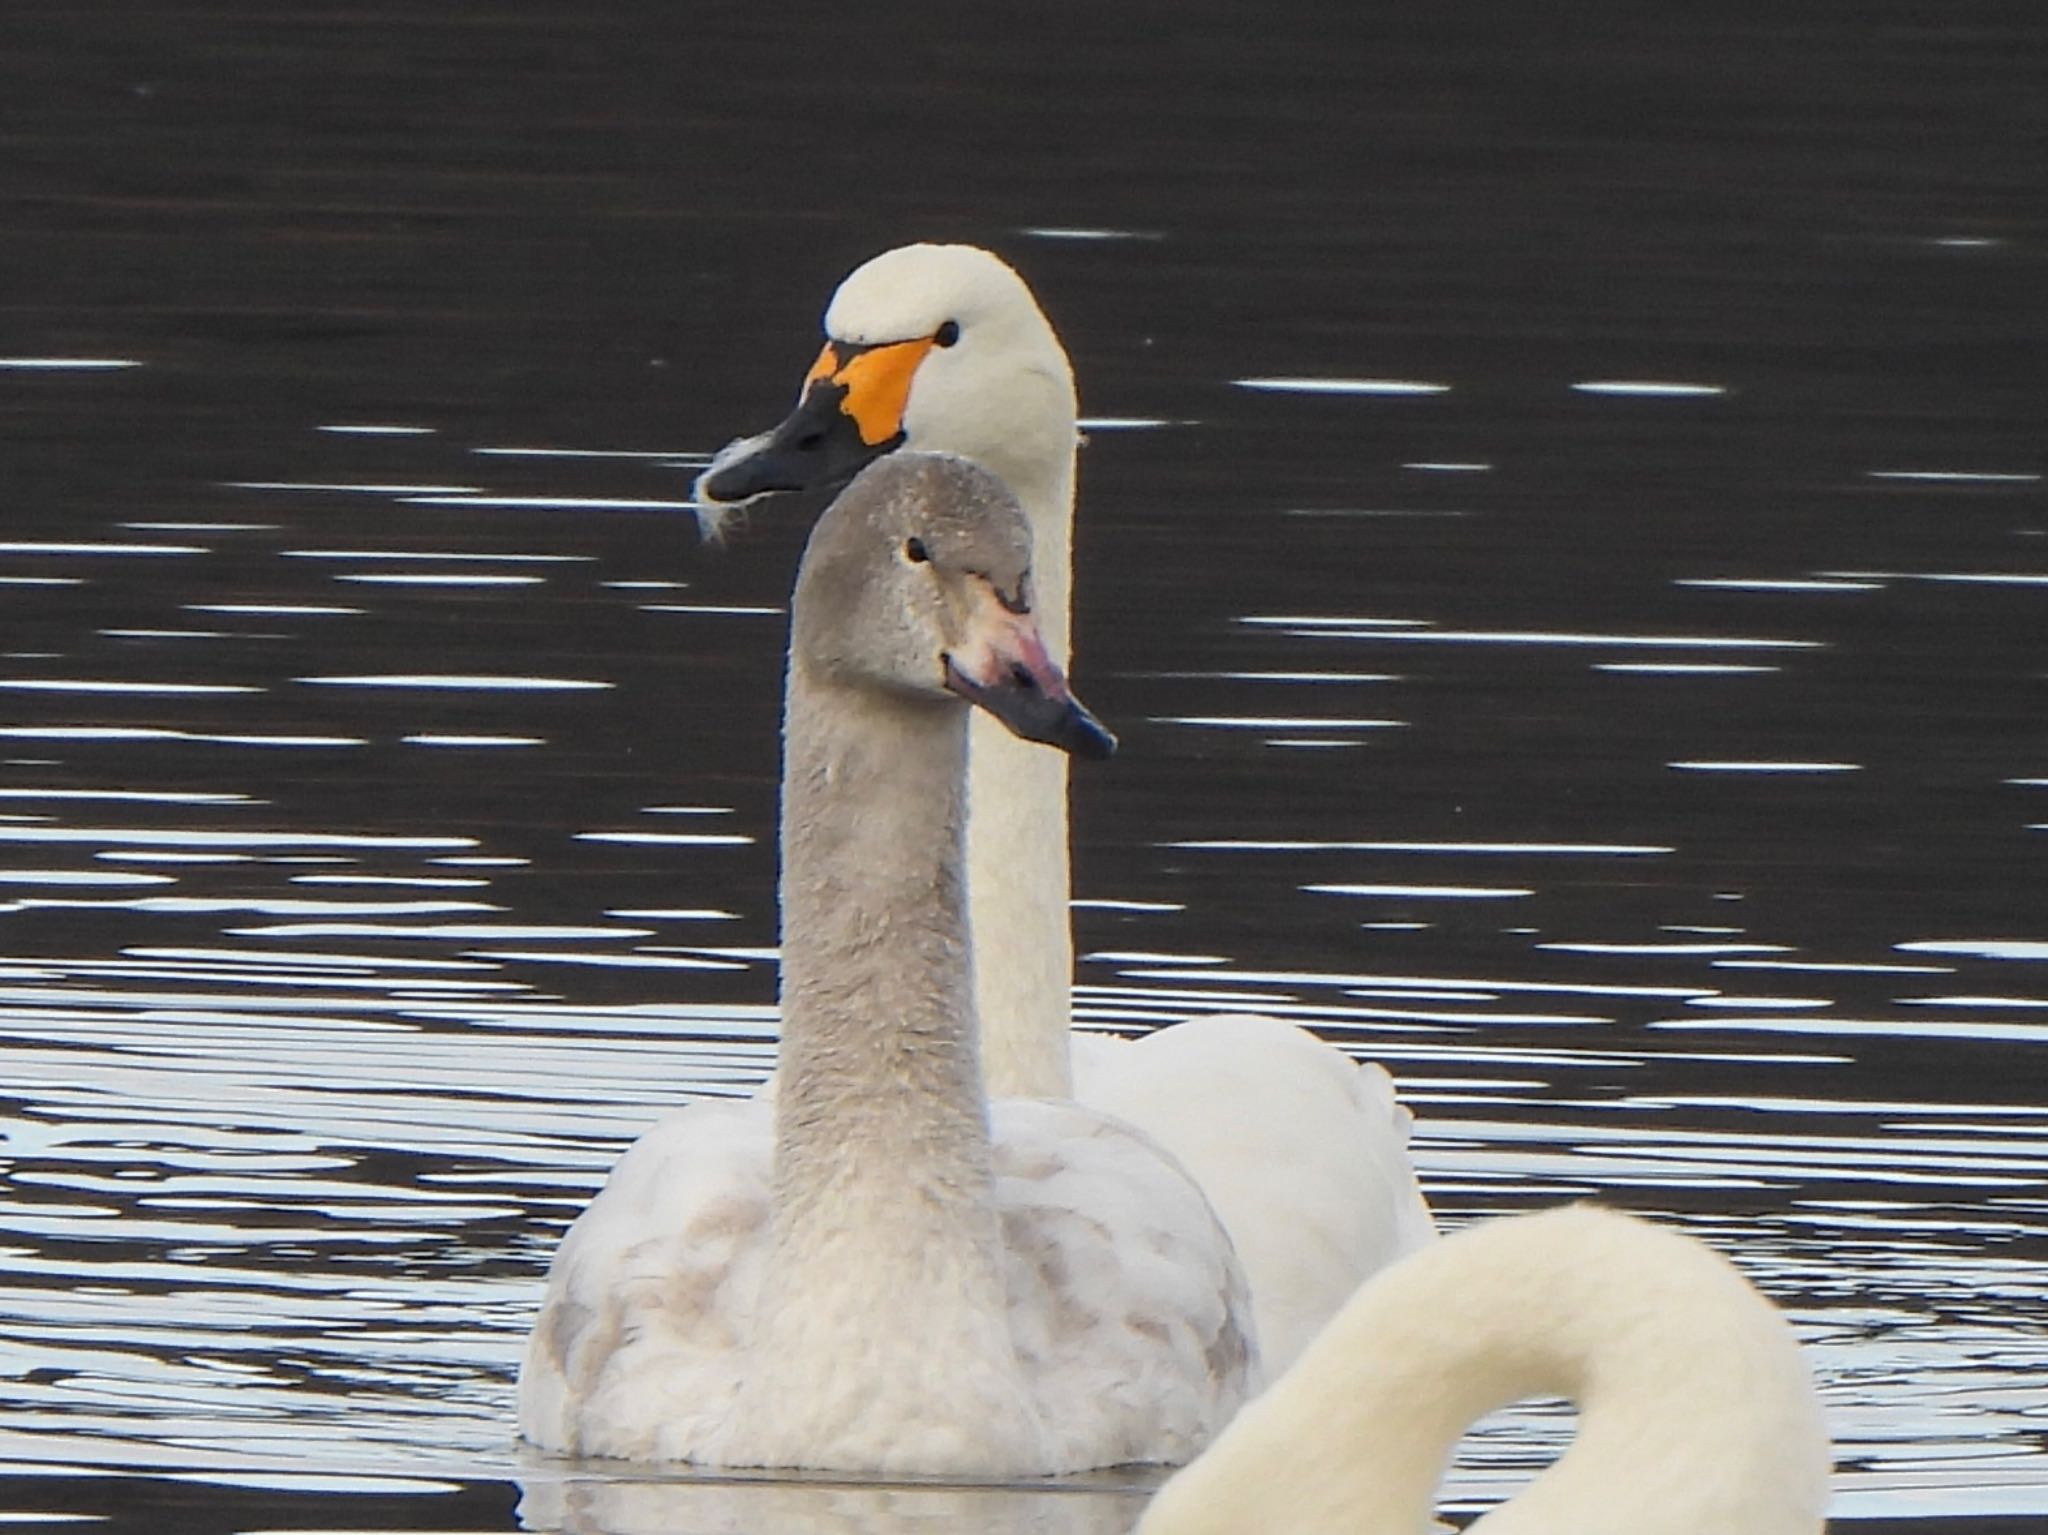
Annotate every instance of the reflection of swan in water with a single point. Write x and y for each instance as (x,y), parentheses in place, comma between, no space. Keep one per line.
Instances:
(881,1272)
(589,1505)
(1696,1412)
(1302,1151)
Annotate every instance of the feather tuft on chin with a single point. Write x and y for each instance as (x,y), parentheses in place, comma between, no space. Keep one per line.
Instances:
(715,517)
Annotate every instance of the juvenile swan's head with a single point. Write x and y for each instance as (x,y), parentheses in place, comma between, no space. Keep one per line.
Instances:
(917,583)
(939,348)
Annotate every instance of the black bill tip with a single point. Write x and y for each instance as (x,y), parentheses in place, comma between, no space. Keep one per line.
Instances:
(816,447)
(1033,713)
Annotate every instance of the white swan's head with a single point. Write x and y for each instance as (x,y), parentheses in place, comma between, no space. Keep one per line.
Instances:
(917,583)
(939,348)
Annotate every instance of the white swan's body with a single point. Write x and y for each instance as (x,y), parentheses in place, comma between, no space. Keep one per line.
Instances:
(1697,1415)
(1002,394)
(1303,1152)
(880,1272)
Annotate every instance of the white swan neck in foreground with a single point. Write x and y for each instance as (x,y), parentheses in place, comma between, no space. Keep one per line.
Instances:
(1697,1415)
(1003,396)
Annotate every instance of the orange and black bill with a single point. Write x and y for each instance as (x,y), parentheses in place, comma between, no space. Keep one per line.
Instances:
(850,414)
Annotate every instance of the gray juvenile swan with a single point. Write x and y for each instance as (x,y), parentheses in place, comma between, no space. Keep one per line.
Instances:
(1697,1415)
(882,1272)
(1302,1151)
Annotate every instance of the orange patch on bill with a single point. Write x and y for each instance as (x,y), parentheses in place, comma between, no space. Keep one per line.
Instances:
(877,381)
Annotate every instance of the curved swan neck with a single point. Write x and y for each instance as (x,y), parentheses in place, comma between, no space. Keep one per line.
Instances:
(1696,1413)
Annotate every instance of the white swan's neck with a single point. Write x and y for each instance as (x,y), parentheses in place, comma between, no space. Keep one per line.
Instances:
(883,1215)
(1696,1413)
(1017,832)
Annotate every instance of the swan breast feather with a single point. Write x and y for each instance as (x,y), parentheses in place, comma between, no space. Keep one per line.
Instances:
(1128,1306)
(640,1344)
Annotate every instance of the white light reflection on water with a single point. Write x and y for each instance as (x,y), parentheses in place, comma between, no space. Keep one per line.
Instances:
(428,556)
(99,548)
(1680,668)
(138,689)
(1649,389)
(1341,386)
(556,503)
(1876,1028)
(1950,577)
(79,877)
(472,740)
(1061,232)
(69,364)
(272,609)
(1427,892)
(167,634)
(1314,677)
(389,1165)
(184,836)
(1511,849)
(1413,631)
(713,609)
(1760,584)
(458,683)
(163,733)
(1981,948)
(667,838)
(1731,766)
(134,796)
(358,487)
(400,579)
(1957,476)
(201,527)
(659,455)
(1661,950)
(1274,722)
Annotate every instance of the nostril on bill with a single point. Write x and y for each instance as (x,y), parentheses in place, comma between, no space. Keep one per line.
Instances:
(1023,678)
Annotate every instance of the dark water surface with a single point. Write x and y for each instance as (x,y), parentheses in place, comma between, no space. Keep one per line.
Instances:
(1563,541)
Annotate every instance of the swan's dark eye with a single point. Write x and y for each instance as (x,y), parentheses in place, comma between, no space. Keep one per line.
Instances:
(947,334)
(915,552)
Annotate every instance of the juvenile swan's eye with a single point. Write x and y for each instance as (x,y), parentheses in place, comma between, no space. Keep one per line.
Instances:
(947,334)
(915,552)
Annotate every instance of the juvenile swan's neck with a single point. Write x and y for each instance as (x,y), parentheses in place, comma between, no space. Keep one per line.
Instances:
(1696,1413)
(1017,833)
(884,1223)
(879,1083)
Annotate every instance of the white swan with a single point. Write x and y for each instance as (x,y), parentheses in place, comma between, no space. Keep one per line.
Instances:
(942,348)
(1697,1415)
(1302,1151)
(881,1272)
